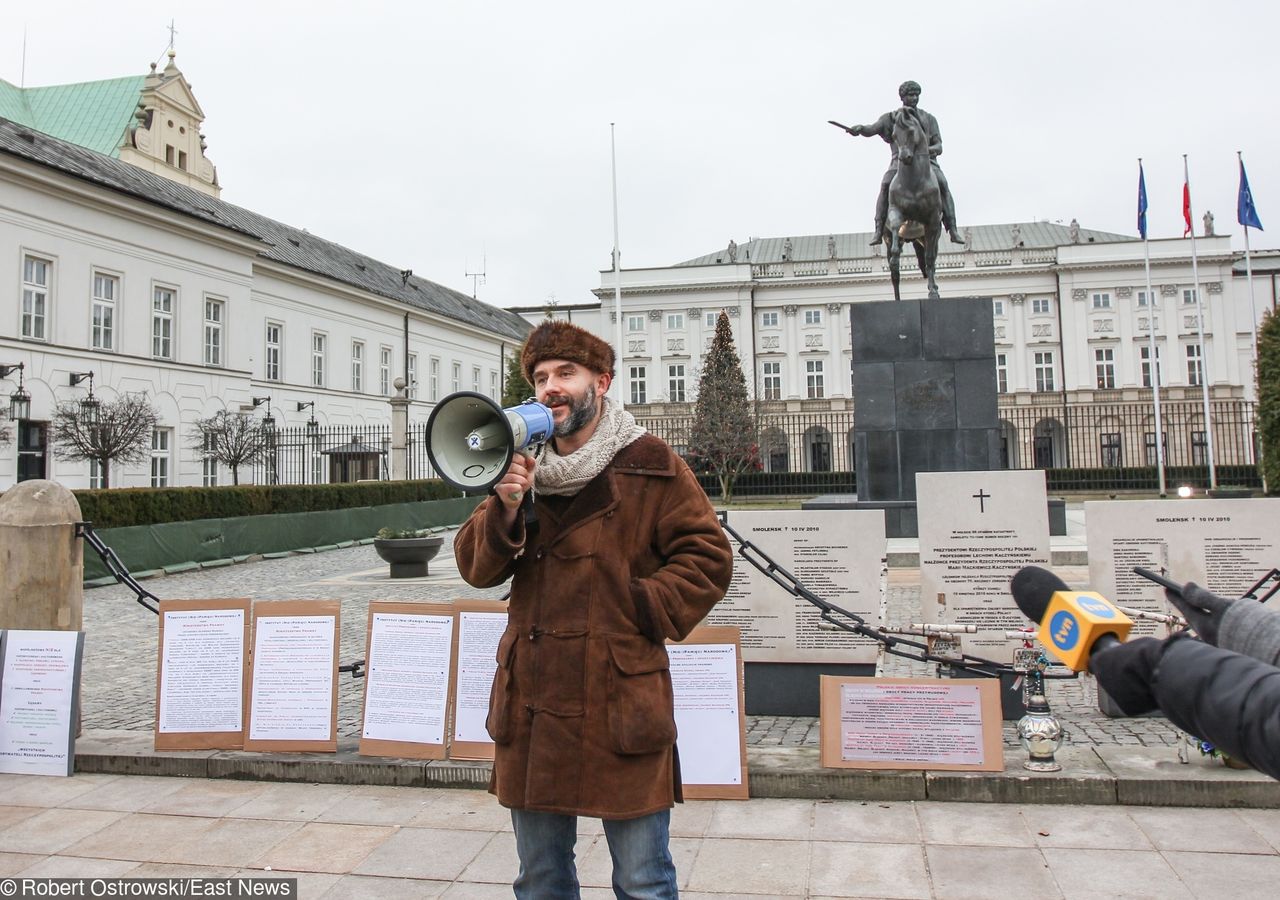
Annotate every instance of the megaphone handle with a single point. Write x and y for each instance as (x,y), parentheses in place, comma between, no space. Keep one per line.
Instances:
(530,514)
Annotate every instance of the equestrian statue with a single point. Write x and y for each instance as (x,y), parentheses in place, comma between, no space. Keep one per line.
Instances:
(914,203)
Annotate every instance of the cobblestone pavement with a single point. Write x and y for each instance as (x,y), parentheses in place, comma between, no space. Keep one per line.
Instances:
(120,646)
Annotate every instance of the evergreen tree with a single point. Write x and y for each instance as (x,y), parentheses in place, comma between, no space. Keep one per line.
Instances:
(1269,400)
(724,429)
(515,389)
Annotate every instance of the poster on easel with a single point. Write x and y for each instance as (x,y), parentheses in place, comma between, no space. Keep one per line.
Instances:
(200,674)
(707,681)
(479,627)
(409,663)
(293,677)
(39,700)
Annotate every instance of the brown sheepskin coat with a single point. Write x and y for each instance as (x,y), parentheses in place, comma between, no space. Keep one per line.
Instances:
(581,709)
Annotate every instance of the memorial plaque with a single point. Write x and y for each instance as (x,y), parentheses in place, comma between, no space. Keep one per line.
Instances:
(976,530)
(839,555)
(1222,545)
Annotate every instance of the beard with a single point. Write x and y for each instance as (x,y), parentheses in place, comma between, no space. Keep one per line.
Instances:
(582,409)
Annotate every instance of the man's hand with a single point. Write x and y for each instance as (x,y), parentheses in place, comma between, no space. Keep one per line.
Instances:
(513,487)
(1201,608)
(855,130)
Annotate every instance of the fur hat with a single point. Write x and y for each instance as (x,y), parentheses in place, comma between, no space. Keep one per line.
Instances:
(555,339)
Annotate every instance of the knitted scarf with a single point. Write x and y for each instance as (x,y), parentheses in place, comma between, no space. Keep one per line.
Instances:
(558,474)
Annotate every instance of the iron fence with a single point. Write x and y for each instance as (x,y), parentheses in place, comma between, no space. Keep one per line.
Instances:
(1107,446)
(336,453)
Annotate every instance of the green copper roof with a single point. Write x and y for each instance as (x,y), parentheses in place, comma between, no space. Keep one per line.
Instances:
(92,114)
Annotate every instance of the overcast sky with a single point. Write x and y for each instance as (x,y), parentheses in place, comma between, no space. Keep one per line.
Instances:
(447,137)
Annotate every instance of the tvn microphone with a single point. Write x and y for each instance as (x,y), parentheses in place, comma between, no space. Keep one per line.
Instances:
(1073,624)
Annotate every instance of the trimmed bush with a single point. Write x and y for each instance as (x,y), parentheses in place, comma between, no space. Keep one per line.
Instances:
(121,507)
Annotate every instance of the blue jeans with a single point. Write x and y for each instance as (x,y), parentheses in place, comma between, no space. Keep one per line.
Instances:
(642,866)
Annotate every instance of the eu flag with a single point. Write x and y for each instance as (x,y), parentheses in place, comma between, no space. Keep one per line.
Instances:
(1142,202)
(1246,212)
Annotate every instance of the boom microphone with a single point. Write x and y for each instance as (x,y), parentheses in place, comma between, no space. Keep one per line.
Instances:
(471,440)
(1073,624)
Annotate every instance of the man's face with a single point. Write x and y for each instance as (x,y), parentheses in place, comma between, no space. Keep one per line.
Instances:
(911,98)
(571,390)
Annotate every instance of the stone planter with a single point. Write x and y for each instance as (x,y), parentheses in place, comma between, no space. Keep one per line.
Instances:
(408,556)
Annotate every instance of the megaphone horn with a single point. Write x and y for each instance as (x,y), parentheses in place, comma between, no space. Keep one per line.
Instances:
(471,440)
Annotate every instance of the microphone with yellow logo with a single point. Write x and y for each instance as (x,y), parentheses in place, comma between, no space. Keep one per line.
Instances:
(1073,624)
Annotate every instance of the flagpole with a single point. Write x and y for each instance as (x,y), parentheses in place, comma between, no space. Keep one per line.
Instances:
(1248,275)
(617,279)
(1204,357)
(1151,331)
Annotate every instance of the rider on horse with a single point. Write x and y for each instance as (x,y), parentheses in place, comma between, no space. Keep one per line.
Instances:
(883,126)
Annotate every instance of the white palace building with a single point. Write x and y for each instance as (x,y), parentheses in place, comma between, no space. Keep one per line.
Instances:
(118,258)
(1072,317)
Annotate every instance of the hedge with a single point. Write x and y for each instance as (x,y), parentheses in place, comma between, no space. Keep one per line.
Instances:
(1132,478)
(122,507)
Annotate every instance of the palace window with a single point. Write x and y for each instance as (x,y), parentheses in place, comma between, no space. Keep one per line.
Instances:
(319,345)
(105,290)
(675,383)
(162,304)
(1002,373)
(357,366)
(1104,366)
(639,387)
(274,347)
(1195,365)
(814,387)
(35,297)
(214,310)
(161,442)
(1044,371)
(771,378)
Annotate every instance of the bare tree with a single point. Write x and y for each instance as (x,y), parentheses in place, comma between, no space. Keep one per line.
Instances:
(724,430)
(233,439)
(120,432)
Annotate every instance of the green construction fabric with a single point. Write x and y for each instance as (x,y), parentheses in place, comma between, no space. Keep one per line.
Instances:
(142,547)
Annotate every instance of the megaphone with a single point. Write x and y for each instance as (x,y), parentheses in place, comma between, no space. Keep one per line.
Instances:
(471,440)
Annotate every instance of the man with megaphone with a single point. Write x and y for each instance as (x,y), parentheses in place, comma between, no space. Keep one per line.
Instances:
(625,553)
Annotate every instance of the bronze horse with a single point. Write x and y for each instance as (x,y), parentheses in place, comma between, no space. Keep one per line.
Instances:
(915,202)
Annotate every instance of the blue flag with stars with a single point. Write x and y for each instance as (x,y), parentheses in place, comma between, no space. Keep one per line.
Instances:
(1142,203)
(1246,212)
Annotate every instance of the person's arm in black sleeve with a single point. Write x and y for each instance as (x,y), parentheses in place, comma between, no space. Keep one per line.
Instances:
(1251,628)
(1226,698)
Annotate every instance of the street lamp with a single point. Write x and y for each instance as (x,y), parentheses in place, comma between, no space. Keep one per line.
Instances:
(313,427)
(89,406)
(268,422)
(19,400)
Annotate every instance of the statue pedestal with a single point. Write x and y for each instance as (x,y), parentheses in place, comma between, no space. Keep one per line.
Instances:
(924,398)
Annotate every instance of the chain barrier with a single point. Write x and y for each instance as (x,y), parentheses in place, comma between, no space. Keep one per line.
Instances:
(845,620)
(143,596)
